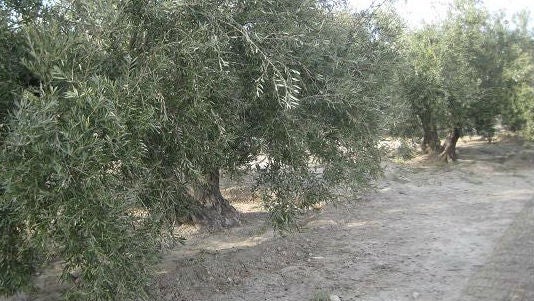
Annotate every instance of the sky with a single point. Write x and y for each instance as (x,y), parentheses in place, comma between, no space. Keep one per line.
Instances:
(418,12)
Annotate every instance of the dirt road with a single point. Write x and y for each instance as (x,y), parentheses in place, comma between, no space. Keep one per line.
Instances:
(464,231)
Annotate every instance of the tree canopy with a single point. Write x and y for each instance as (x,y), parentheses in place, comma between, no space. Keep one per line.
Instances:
(137,106)
(455,76)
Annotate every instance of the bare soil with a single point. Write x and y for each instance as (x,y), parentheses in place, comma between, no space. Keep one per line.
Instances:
(422,234)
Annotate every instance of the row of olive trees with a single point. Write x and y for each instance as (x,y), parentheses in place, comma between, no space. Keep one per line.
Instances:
(464,73)
(118,117)
(518,76)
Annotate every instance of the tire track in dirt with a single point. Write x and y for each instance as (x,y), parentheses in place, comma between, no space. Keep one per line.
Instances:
(508,274)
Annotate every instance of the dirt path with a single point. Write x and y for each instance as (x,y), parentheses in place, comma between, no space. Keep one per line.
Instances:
(457,232)
(462,231)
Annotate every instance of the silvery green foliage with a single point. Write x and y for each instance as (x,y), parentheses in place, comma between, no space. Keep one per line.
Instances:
(138,100)
(71,175)
(455,71)
(518,74)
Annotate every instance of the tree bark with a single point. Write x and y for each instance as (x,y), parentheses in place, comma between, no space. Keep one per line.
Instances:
(431,143)
(449,147)
(213,209)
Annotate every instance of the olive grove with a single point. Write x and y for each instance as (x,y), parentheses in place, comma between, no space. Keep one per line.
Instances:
(456,76)
(118,118)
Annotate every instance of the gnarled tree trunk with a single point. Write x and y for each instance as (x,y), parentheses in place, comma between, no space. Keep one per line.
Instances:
(213,209)
(449,147)
(431,143)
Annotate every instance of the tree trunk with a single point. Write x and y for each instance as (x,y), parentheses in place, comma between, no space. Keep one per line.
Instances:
(449,147)
(431,143)
(213,209)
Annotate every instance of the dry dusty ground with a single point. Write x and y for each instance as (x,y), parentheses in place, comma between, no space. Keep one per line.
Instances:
(463,231)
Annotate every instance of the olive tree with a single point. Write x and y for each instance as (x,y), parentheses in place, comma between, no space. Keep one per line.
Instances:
(289,81)
(454,77)
(518,74)
(138,107)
